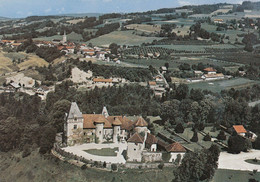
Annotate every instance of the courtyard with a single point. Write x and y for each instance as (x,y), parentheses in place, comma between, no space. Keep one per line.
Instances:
(94,152)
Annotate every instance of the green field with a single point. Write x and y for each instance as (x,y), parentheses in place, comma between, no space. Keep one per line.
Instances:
(103,152)
(224,175)
(198,47)
(217,86)
(74,37)
(121,38)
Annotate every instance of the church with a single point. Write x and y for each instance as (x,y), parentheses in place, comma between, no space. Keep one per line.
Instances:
(99,128)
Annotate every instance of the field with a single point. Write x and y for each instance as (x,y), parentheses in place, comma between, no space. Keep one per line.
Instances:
(145,28)
(121,38)
(198,47)
(75,21)
(223,175)
(74,37)
(217,86)
(103,151)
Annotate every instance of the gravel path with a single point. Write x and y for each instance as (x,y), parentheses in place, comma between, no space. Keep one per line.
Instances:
(237,161)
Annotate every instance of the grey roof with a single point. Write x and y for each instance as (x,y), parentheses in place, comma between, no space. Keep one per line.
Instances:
(15,85)
(74,111)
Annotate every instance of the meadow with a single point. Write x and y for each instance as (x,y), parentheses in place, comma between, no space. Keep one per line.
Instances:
(121,38)
(217,86)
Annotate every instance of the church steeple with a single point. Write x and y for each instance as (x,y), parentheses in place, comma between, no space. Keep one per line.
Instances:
(64,40)
(105,112)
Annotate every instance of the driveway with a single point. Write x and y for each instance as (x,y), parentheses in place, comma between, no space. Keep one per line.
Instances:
(79,151)
(237,161)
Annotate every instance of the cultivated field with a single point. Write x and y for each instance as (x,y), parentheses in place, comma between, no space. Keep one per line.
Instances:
(121,38)
(145,28)
(74,37)
(217,86)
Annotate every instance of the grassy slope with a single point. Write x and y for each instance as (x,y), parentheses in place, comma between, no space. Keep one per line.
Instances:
(36,168)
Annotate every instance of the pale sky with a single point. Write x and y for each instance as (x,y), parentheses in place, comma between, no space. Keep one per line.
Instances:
(24,8)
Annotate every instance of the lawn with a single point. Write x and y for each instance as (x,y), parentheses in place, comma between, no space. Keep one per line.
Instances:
(121,38)
(103,152)
(217,86)
(74,37)
(223,175)
(252,161)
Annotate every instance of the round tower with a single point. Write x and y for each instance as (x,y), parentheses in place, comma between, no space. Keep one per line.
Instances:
(99,129)
(116,129)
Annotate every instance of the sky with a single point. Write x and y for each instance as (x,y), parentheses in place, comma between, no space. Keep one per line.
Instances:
(24,8)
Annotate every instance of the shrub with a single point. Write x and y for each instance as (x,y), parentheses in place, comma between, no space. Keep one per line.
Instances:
(194,137)
(179,128)
(161,165)
(114,167)
(207,138)
(221,135)
(83,167)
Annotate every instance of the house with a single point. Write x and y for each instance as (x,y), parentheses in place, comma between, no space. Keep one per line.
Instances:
(198,73)
(102,80)
(210,70)
(15,86)
(174,149)
(218,21)
(152,84)
(135,146)
(163,69)
(240,130)
(209,77)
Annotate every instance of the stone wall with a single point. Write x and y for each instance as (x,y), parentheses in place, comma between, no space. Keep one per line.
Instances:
(151,156)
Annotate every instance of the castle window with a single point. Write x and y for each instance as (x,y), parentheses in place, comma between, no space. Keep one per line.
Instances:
(75,127)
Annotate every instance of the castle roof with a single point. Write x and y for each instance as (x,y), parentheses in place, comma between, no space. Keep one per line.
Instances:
(90,119)
(136,138)
(175,147)
(141,122)
(151,139)
(116,122)
(74,111)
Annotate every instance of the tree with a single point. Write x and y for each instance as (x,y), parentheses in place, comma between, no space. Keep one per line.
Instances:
(182,91)
(47,139)
(237,143)
(198,165)
(114,48)
(257,143)
(194,137)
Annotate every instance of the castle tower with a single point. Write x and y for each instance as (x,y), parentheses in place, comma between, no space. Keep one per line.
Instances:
(99,129)
(74,122)
(64,39)
(105,112)
(116,129)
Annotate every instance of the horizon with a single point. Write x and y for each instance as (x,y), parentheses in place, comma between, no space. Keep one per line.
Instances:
(25,8)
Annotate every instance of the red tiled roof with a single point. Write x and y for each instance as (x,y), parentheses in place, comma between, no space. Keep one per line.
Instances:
(141,122)
(102,80)
(91,119)
(151,139)
(136,138)
(239,128)
(210,69)
(152,83)
(175,147)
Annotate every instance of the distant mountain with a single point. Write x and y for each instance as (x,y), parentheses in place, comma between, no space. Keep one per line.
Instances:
(3,18)
(82,14)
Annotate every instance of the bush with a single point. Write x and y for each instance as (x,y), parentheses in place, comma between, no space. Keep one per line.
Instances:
(194,137)
(207,138)
(179,128)
(221,135)
(161,165)
(114,167)
(84,167)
